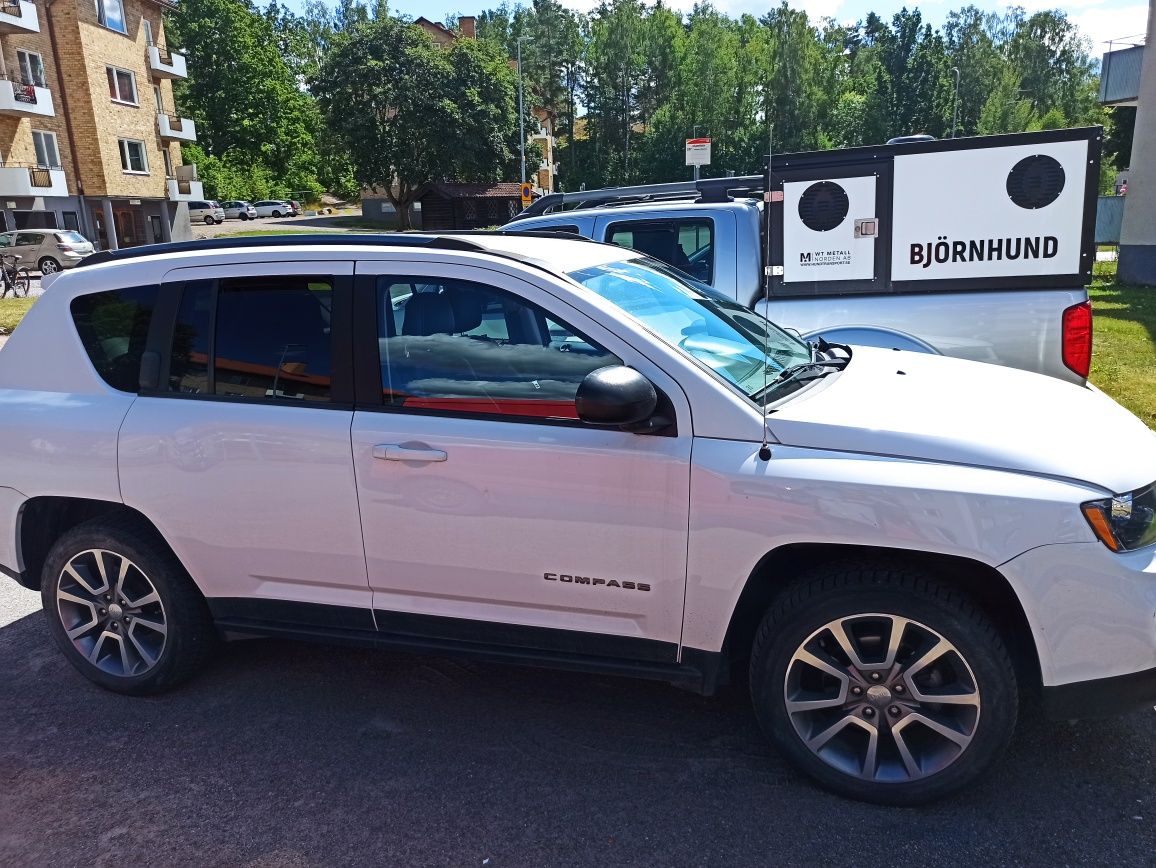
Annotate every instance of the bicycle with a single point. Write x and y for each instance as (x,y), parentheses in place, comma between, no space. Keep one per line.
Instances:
(13,278)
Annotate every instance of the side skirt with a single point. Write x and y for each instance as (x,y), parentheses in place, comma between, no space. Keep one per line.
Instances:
(699,671)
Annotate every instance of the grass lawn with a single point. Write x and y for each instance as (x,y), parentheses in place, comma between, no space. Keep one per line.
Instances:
(1124,346)
(12,310)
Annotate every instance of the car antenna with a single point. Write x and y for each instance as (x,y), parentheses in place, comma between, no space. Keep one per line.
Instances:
(765,449)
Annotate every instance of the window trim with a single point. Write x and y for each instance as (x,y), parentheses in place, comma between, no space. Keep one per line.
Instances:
(678,222)
(55,148)
(368,383)
(102,19)
(43,81)
(112,73)
(126,163)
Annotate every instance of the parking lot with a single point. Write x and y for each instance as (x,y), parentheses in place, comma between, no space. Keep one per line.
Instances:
(293,754)
(327,223)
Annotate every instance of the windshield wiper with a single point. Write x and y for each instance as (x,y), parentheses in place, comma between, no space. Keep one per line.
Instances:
(801,372)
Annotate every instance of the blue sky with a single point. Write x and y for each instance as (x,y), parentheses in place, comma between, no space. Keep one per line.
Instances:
(1100,20)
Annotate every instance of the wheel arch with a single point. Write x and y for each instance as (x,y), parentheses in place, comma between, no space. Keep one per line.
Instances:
(43,520)
(991,591)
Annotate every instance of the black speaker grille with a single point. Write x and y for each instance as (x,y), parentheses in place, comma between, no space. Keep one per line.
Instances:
(1036,181)
(823,206)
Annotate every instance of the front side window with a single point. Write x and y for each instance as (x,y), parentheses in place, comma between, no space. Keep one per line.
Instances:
(132,156)
(110,13)
(31,68)
(113,326)
(687,244)
(734,342)
(47,153)
(459,346)
(254,337)
(121,85)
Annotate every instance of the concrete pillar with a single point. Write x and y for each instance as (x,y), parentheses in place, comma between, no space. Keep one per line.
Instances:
(166,227)
(109,225)
(1138,233)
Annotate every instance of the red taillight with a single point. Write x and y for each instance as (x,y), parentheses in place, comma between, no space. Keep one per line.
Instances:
(65,247)
(1077,338)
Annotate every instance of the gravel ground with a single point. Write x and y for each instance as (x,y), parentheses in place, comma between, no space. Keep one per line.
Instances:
(286,754)
(288,224)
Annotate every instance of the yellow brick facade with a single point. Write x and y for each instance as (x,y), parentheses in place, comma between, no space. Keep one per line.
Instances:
(76,51)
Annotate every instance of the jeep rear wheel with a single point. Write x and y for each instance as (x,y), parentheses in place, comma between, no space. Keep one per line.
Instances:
(123,610)
(883,685)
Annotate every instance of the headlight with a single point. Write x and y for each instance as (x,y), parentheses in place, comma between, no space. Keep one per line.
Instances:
(1125,522)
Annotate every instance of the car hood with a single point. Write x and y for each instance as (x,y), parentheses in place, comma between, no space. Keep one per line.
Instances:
(935,408)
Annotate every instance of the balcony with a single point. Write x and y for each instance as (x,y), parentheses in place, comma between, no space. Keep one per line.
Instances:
(1120,76)
(29,181)
(18,16)
(176,128)
(165,63)
(25,100)
(185,187)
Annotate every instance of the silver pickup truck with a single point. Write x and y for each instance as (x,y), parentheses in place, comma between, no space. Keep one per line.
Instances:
(979,248)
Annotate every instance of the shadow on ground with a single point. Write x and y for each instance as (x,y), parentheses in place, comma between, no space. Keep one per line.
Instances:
(292,754)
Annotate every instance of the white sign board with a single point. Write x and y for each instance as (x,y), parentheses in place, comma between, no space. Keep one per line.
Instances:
(698,152)
(835,253)
(955,215)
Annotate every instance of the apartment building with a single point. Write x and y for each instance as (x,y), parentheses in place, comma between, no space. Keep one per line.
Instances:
(89,139)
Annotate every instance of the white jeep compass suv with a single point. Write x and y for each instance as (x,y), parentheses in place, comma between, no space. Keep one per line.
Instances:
(564,453)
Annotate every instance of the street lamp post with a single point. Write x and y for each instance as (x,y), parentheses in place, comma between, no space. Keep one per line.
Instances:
(521,113)
(955,103)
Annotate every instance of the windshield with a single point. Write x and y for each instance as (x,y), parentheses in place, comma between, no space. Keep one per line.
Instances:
(726,337)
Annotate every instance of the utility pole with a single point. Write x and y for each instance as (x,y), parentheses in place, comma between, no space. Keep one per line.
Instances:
(521,112)
(955,103)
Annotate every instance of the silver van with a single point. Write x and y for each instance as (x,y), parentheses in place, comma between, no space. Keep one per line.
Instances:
(48,250)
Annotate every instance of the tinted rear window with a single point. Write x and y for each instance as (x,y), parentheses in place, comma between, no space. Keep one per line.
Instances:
(113,326)
(71,238)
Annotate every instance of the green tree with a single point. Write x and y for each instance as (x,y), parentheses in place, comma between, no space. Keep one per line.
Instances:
(409,112)
(247,103)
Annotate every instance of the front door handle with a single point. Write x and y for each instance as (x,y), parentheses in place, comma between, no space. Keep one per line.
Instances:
(393,452)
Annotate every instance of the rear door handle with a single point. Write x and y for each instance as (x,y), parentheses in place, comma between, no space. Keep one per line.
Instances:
(393,452)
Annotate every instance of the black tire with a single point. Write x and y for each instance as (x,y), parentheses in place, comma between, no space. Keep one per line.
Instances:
(209,221)
(244,216)
(276,213)
(833,593)
(22,282)
(48,265)
(191,636)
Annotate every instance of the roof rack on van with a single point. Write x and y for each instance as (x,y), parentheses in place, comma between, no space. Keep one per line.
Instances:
(703,190)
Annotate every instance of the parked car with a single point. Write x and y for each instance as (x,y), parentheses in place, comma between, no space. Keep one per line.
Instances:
(46,249)
(206,212)
(296,206)
(551,451)
(273,208)
(968,247)
(238,210)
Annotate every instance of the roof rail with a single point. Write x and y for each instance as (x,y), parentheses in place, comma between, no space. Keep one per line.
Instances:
(442,241)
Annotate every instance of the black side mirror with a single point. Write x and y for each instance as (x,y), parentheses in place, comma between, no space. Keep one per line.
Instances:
(615,396)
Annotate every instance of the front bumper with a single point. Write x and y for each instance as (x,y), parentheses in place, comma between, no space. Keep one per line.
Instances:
(1092,614)
(1104,697)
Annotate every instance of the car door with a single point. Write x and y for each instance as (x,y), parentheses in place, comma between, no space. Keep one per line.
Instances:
(27,247)
(490,513)
(238,446)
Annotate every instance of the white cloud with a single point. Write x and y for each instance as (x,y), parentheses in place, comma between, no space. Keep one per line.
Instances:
(1103,23)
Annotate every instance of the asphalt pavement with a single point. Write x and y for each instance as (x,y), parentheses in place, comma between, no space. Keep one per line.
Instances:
(287,754)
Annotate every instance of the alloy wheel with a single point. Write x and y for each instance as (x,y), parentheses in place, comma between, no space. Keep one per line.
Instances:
(882,698)
(112,613)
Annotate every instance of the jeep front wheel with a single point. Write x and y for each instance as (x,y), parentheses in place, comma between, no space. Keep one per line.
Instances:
(883,685)
(122,608)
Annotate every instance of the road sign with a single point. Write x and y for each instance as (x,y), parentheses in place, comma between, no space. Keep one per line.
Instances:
(527,195)
(698,152)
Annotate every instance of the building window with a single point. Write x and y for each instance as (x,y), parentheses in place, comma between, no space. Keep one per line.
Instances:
(71,220)
(47,153)
(168,162)
(132,156)
(31,68)
(121,85)
(147,26)
(111,15)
